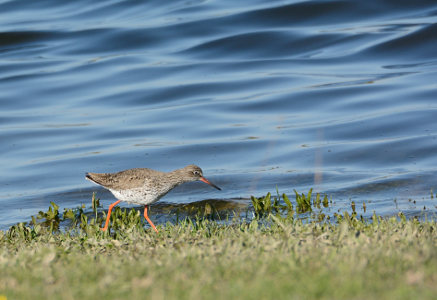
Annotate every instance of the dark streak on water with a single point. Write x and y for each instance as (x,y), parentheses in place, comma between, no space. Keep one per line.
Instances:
(335,95)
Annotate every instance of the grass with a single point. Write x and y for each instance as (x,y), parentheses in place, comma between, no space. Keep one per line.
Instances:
(274,256)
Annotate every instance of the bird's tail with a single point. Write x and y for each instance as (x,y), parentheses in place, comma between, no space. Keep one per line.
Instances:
(89,176)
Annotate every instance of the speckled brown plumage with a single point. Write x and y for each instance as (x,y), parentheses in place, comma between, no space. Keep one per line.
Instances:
(128,179)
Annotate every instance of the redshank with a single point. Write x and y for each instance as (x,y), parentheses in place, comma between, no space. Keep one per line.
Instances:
(144,186)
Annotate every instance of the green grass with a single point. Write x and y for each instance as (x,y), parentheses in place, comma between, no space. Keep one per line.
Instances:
(384,258)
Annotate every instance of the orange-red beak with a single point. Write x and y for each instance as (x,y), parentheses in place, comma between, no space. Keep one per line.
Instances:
(210,183)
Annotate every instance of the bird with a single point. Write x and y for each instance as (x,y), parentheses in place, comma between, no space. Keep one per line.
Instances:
(144,186)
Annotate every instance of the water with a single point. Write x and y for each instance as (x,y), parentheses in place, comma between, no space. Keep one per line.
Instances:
(335,95)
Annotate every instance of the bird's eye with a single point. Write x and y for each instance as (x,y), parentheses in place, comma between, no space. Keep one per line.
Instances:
(197,173)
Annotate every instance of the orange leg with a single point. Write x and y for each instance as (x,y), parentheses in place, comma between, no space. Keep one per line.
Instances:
(148,220)
(109,215)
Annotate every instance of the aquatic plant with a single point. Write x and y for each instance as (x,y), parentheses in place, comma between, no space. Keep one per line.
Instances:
(281,204)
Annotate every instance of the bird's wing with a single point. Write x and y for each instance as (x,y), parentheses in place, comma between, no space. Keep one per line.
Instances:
(128,179)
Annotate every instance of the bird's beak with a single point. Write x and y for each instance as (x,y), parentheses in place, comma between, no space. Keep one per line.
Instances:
(208,182)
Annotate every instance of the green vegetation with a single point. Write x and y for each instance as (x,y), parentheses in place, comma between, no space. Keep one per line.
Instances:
(274,256)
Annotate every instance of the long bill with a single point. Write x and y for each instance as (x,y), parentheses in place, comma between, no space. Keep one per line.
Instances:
(209,182)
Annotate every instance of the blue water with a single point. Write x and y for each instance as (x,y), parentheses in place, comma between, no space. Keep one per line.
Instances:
(335,95)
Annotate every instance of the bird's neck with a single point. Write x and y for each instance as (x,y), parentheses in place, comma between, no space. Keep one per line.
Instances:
(176,176)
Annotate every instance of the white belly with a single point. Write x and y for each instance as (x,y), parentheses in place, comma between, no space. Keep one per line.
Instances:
(137,196)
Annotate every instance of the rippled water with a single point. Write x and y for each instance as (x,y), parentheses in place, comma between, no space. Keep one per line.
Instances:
(335,95)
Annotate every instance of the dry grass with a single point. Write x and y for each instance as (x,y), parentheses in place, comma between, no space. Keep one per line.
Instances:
(383,259)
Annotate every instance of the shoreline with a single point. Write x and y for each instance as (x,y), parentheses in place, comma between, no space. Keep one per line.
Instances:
(272,256)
